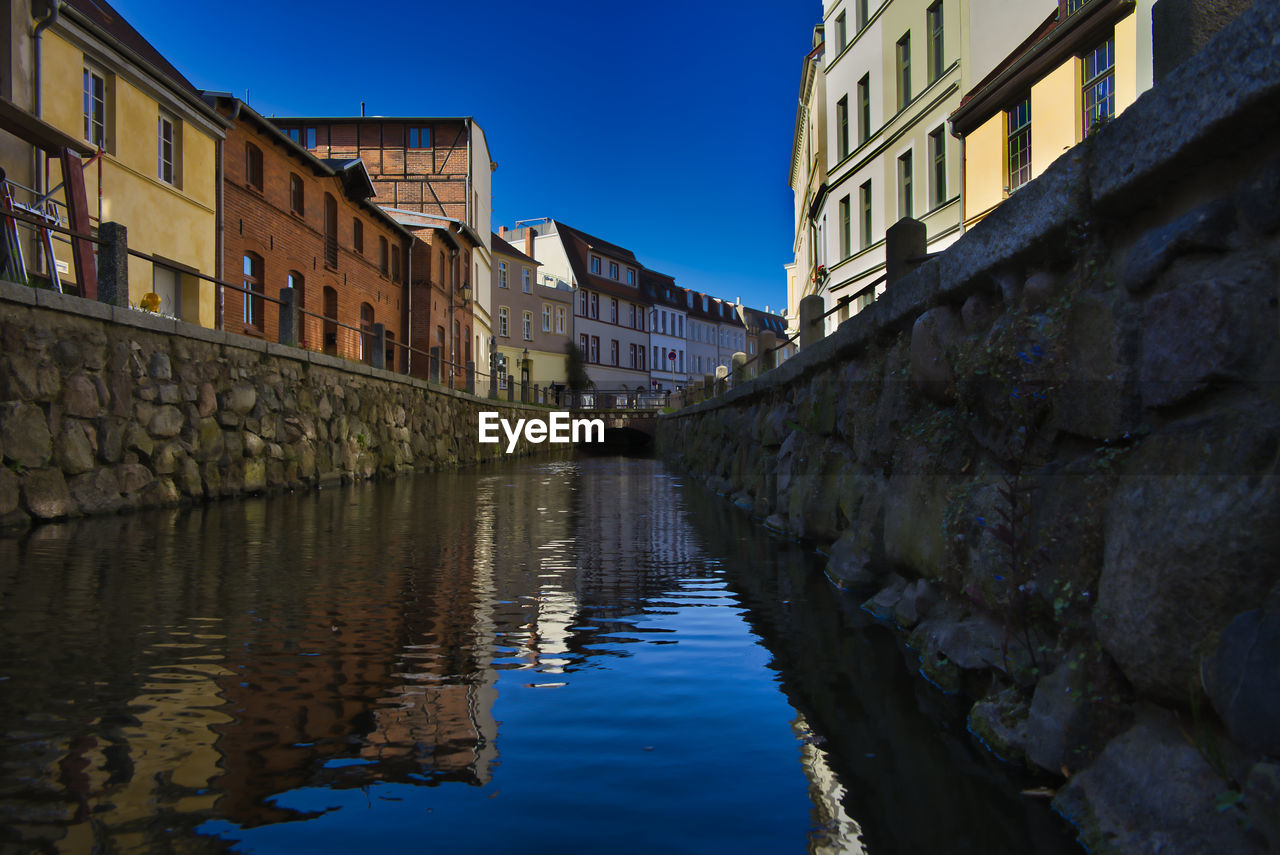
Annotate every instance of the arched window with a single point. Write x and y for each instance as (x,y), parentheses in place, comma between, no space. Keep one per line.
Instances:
(253,291)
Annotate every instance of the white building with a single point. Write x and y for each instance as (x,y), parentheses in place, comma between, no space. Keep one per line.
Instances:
(667,370)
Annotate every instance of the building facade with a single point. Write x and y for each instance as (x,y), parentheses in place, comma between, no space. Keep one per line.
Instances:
(666,331)
(892,78)
(294,221)
(807,273)
(532,321)
(610,317)
(702,334)
(1083,63)
(432,174)
(81,67)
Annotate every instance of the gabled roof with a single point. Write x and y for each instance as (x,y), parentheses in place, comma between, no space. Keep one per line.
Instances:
(500,245)
(577,247)
(101,18)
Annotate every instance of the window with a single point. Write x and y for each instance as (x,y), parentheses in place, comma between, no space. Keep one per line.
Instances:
(631,276)
(253,290)
(311,143)
(631,354)
(905,206)
(253,166)
(95,107)
(546,318)
(864,200)
(293,134)
(846,228)
(631,318)
(1019,124)
(168,149)
(934,27)
(504,321)
(296,199)
(864,108)
(418,138)
(595,264)
(502,274)
(613,270)
(560,313)
(1098,74)
(595,348)
(526,325)
(613,352)
(584,344)
(842,33)
(1074,5)
(904,70)
(524,280)
(842,127)
(613,310)
(862,16)
(384,252)
(938,157)
(595,306)
(582,304)
(331,232)
(395,264)
(357,235)
(367,345)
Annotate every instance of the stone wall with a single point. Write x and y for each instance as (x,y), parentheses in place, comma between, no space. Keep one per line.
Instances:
(106,409)
(1050,456)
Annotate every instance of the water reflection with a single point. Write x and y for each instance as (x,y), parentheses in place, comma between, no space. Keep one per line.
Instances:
(337,669)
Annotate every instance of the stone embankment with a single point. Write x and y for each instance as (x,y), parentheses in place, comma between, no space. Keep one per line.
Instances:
(104,409)
(1050,456)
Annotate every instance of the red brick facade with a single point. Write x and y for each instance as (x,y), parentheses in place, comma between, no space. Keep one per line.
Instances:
(441,266)
(269,243)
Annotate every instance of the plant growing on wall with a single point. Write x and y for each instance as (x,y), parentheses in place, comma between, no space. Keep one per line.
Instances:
(576,367)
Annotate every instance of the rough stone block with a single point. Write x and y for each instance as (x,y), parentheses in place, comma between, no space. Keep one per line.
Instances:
(45,494)
(1259,199)
(24,434)
(1243,680)
(1207,228)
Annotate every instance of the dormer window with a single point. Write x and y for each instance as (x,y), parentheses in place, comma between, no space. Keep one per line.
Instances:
(595,264)
(631,276)
(613,270)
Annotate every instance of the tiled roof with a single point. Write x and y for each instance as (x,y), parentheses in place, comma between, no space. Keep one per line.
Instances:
(501,245)
(577,246)
(100,14)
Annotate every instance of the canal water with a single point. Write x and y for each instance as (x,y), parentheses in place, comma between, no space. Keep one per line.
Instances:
(585,655)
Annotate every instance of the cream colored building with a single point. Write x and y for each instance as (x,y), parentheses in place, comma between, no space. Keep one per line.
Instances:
(533,318)
(1083,62)
(893,76)
(99,80)
(808,180)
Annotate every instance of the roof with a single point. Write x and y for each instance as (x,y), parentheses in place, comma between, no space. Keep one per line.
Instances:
(718,311)
(759,320)
(661,289)
(419,220)
(101,17)
(347,120)
(501,245)
(577,246)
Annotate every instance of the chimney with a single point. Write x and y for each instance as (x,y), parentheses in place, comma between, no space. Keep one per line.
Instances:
(502,232)
(528,241)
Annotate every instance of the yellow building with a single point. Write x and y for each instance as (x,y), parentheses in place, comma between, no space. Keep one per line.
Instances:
(533,317)
(1085,63)
(95,77)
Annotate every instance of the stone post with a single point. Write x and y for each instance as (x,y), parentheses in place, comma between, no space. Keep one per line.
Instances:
(288,317)
(708,385)
(905,239)
(739,368)
(722,379)
(434,374)
(768,359)
(471,377)
(511,388)
(113,264)
(1180,28)
(812,309)
(379,338)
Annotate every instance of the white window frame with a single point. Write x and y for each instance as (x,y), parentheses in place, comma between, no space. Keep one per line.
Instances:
(169,163)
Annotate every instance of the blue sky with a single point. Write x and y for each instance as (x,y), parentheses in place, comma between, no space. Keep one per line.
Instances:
(662,126)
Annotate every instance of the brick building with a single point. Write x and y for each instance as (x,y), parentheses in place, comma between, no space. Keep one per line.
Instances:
(293,220)
(434,175)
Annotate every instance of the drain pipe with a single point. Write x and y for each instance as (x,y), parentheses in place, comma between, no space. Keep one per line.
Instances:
(38,157)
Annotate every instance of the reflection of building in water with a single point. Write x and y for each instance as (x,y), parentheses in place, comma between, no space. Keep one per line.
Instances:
(832,830)
(366,668)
